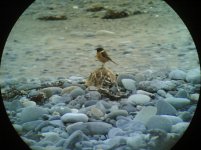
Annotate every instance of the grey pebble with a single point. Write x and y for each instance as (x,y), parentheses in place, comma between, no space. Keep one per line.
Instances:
(177,75)
(129,84)
(178,102)
(193,76)
(28,126)
(49,91)
(124,76)
(74,117)
(116,113)
(159,122)
(164,108)
(32,113)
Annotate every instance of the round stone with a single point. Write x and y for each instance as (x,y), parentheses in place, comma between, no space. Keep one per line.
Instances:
(74,117)
(139,99)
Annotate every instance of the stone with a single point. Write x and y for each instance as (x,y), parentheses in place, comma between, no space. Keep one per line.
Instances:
(137,142)
(193,76)
(155,85)
(164,108)
(60,109)
(76,79)
(145,114)
(159,122)
(115,142)
(138,99)
(18,128)
(177,75)
(181,94)
(74,117)
(56,99)
(15,105)
(145,93)
(161,93)
(173,119)
(75,137)
(116,113)
(28,103)
(90,103)
(185,116)
(129,84)
(51,136)
(124,76)
(31,125)
(93,95)
(96,113)
(180,127)
(76,92)
(32,113)
(178,102)
(194,97)
(90,128)
(129,108)
(115,132)
(49,91)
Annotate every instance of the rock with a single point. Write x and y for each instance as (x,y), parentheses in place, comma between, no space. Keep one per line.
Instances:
(185,116)
(115,142)
(76,92)
(96,113)
(76,79)
(90,103)
(56,123)
(129,84)
(98,127)
(32,113)
(28,103)
(116,113)
(74,117)
(178,102)
(177,75)
(159,122)
(14,105)
(49,91)
(47,129)
(56,99)
(138,99)
(115,132)
(194,76)
(164,108)
(68,90)
(194,97)
(181,94)
(51,136)
(129,108)
(180,128)
(145,93)
(145,114)
(18,128)
(173,119)
(75,137)
(91,128)
(155,85)
(28,126)
(124,76)
(93,95)
(161,93)
(137,142)
(60,109)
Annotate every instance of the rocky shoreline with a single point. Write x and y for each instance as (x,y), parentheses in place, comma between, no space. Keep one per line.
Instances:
(62,113)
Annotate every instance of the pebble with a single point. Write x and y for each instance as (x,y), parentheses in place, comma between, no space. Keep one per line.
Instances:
(124,76)
(60,109)
(51,136)
(74,117)
(138,99)
(178,102)
(28,103)
(96,113)
(159,122)
(185,116)
(76,92)
(155,85)
(145,93)
(56,99)
(181,94)
(145,114)
(90,103)
(180,127)
(115,132)
(161,93)
(115,113)
(18,128)
(49,91)
(14,105)
(31,125)
(32,113)
(177,75)
(137,142)
(194,97)
(73,139)
(93,95)
(164,108)
(193,76)
(173,119)
(129,84)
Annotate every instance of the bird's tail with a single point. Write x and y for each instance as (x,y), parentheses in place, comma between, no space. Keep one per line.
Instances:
(114,62)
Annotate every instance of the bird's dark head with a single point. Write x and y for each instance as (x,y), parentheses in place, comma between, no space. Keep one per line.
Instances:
(99,49)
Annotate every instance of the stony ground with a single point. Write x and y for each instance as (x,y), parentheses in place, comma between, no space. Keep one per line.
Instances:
(46,62)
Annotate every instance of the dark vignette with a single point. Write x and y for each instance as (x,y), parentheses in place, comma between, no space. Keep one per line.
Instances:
(189,12)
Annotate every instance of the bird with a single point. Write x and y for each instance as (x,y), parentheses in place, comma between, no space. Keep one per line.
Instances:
(102,56)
